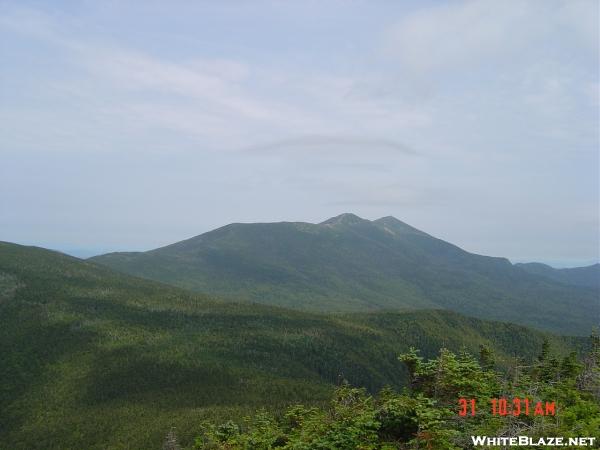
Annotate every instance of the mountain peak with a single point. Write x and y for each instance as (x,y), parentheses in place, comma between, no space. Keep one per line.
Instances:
(344,219)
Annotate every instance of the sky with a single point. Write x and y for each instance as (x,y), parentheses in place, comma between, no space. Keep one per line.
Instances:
(132,125)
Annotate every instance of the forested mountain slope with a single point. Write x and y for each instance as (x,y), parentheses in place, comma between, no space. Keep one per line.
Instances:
(588,276)
(96,359)
(350,264)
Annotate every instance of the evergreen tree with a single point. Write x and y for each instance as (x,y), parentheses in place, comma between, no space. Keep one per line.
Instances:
(425,415)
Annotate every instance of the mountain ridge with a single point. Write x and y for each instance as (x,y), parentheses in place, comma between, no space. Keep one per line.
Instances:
(94,358)
(587,276)
(347,264)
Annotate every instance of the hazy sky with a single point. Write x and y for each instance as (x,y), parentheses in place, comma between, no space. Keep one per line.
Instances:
(130,125)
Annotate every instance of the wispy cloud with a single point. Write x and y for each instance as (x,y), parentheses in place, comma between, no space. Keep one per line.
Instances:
(335,144)
(224,100)
(465,35)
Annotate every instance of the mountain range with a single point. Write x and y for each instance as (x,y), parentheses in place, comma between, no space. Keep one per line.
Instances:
(588,276)
(349,264)
(93,358)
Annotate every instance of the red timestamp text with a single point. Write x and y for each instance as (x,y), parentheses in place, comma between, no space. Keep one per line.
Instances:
(508,407)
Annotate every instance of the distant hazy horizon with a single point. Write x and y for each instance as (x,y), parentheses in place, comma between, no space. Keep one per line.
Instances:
(132,125)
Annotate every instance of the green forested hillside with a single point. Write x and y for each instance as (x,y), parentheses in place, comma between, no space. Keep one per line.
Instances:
(96,359)
(544,401)
(351,264)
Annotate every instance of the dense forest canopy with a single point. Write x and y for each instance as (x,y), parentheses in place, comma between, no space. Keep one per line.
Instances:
(427,415)
(93,358)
